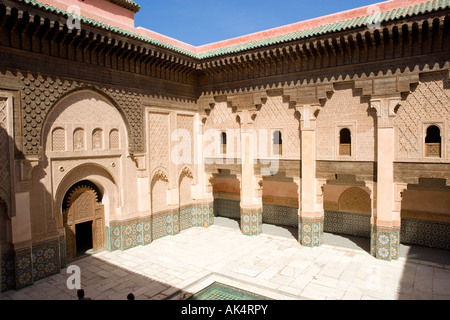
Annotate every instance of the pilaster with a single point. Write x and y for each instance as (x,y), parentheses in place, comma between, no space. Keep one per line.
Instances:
(386,223)
(251,185)
(311,215)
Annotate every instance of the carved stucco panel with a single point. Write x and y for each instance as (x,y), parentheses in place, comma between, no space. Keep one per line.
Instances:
(427,103)
(40,93)
(159,137)
(346,106)
(275,114)
(5,176)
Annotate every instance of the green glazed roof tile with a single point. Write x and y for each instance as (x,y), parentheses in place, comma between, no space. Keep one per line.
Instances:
(337,26)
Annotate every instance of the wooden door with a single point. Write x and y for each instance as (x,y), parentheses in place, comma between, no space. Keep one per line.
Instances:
(83,207)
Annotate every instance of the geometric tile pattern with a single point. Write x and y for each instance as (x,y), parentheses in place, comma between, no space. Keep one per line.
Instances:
(310,232)
(385,242)
(165,223)
(280,215)
(347,223)
(425,233)
(45,259)
(123,235)
(220,291)
(251,221)
(8,270)
(22,267)
(62,252)
(132,235)
(227,208)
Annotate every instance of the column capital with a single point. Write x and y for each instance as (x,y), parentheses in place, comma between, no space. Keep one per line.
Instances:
(386,107)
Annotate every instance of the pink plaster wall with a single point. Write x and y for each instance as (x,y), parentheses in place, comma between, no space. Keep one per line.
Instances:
(280,189)
(427,201)
(100,10)
(226,185)
(298,26)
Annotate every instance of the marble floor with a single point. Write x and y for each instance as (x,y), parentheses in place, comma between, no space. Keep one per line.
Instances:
(272,264)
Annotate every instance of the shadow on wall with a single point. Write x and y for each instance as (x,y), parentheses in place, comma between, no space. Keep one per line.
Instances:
(24,262)
(425,243)
(7,210)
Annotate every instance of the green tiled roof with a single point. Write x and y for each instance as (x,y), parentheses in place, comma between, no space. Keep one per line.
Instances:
(398,13)
(337,26)
(131,5)
(107,27)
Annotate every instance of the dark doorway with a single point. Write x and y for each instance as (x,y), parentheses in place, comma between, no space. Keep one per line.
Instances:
(83,232)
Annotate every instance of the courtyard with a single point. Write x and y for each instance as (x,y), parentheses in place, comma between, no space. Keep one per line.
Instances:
(272,265)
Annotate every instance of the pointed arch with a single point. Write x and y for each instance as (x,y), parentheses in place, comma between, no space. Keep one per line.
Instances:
(97,174)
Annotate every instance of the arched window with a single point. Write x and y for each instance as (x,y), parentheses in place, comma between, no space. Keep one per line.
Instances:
(59,140)
(433,142)
(114,139)
(345,142)
(97,139)
(78,140)
(223,143)
(277,143)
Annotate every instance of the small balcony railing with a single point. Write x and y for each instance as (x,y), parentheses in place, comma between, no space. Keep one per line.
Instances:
(345,149)
(433,150)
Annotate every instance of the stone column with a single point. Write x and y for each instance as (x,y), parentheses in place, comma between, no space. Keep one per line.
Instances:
(202,190)
(251,195)
(386,229)
(311,214)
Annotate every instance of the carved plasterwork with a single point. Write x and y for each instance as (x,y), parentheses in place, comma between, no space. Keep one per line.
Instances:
(386,109)
(355,200)
(39,94)
(5,174)
(426,104)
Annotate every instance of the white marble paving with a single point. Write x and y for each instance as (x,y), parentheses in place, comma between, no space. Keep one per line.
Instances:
(277,267)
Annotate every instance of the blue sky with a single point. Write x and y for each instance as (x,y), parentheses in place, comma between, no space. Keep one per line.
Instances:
(199,22)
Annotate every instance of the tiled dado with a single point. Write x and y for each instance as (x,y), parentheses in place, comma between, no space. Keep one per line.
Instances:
(22,267)
(310,232)
(280,215)
(227,208)
(123,235)
(385,242)
(8,270)
(272,214)
(251,221)
(347,223)
(425,233)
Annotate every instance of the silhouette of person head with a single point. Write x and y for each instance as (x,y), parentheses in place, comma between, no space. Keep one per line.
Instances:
(130,296)
(80,294)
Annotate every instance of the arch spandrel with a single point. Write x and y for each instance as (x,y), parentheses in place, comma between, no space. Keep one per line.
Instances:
(40,95)
(81,109)
(95,173)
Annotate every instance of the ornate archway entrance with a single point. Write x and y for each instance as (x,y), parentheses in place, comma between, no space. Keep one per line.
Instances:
(84,220)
